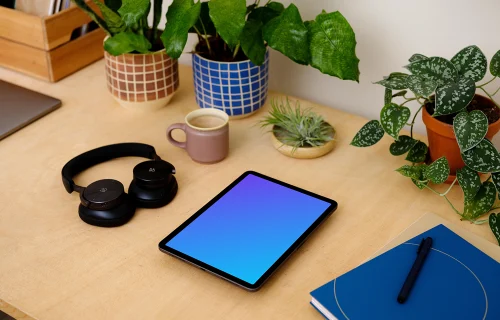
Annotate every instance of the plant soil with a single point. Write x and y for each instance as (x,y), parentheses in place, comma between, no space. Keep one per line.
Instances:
(490,110)
(220,51)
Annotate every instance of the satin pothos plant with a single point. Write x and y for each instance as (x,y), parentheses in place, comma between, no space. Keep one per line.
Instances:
(449,86)
(229,30)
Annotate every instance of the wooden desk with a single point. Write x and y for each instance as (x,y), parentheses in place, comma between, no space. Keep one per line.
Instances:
(54,266)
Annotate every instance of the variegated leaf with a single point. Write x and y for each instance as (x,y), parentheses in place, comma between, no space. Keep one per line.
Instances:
(413,172)
(494,222)
(420,184)
(400,93)
(387,96)
(416,57)
(469,181)
(438,171)
(470,129)
(453,97)
(420,86)
(436,69)
(418,153)
(368,135)
(402,146)
(495,64)
(471,63)
(395,81)
(496,180)
(393,118)
(483,157)
(482,202)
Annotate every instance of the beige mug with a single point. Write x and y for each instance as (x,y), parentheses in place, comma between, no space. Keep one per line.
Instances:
(207,135)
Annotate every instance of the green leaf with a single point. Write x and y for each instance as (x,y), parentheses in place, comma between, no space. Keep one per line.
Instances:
(387,96)
(250,8)
(267,13)
(181,16)
(228,17)
(438,171)
(91,13)
(288,35)
(126,42)
(436,69)
(495,64)
(470,129)
(113,19)
(483,157)
(453,97)
(113,4)
(402,146)
(496,180)
(417,153)
(395,81)
(204,24)
(400,93)
(494,221)
(393,118)
(158,6)
(469,181)
(333,46)
(252,42)
(482,202)
(414,172)
(471,63)
(420,86)
(420,184)
(416,57)
(368,135)
(133,10)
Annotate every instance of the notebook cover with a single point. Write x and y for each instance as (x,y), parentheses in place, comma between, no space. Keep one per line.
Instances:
(457,281)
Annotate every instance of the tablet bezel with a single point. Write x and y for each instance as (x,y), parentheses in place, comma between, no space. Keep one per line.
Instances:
(249,286)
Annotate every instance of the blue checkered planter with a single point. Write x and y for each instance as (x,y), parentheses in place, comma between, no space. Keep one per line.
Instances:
(238,88)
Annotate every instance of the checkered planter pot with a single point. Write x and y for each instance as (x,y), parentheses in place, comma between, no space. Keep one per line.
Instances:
(142,81)
(238,88)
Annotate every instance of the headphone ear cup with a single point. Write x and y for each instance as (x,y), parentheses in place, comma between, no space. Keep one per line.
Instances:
(153,197)
(112,217)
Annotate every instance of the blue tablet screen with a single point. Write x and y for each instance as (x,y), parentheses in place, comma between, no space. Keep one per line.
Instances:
(247,230)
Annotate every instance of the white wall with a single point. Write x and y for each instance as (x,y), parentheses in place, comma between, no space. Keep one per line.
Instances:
(388,32)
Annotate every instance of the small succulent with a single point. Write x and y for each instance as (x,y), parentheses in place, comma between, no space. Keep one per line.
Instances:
(296,127)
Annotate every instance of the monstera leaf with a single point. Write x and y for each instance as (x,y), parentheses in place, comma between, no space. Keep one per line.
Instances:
(333,46)
(126,42)
(453,97)
(252,42)
(393,118)
(437,69)
(482,202)
(228,17)
(471,63)
(469,181)
(470,129)
(288,35)
(368,135)
(132,11)
(395,81)
(483,157)
(181,16)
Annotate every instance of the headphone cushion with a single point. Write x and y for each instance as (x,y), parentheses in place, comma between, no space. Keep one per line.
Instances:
(153,198)
(113,217)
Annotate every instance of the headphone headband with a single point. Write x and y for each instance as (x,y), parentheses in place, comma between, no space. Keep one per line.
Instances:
(100,155)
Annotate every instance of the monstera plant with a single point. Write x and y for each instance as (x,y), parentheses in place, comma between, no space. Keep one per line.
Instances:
(235,37)
(460,125)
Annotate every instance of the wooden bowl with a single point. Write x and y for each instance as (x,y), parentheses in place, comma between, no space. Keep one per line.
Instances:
(303,153)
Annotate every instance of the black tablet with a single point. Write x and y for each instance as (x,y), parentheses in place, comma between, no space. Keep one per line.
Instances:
(249,229)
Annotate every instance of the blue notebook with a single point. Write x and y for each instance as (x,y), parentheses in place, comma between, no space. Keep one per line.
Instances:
(457,281)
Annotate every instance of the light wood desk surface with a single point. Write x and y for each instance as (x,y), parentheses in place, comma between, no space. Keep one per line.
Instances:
(54,266)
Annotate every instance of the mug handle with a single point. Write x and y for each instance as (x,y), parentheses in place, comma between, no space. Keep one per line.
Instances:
(176,143)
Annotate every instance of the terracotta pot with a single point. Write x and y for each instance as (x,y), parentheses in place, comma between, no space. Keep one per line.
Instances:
(303,153)
(142,81)
(442,141)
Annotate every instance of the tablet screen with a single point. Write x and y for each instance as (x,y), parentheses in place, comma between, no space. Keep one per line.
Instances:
(246,231)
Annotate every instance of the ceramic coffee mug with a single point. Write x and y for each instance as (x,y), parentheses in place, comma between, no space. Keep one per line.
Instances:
(207,135)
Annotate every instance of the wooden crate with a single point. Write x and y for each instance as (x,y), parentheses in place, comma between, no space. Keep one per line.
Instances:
(42,46)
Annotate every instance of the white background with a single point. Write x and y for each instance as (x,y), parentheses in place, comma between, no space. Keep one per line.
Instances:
(388,32)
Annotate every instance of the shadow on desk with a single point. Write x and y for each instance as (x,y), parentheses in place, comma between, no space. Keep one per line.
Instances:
(4,316)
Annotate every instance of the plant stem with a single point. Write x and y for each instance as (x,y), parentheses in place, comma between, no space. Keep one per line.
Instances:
(494,208)
(496,91)
(413,120)
(206,39)
(446,198)
(482,85)
(451,186)
(236,50)
(408,100)
(489,96)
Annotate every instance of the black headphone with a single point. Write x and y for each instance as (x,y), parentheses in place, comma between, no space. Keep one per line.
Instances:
(104,203)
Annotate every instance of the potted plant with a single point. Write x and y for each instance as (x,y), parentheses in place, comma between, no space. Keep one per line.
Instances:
(460,125)
(231,59)
(298,133)
(140,75)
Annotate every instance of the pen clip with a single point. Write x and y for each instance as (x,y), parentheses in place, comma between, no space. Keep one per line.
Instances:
(420,246)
